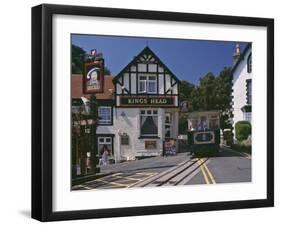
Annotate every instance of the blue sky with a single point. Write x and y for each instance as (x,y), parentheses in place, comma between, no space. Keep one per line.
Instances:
(187,59)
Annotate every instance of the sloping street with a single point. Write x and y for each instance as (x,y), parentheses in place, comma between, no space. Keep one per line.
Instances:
(228,166)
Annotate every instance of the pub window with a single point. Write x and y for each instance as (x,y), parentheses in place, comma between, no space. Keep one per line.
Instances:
(147,84)
(104,113)
(105,143)
(249,64)
(142,84)
(149,122)
(168,125)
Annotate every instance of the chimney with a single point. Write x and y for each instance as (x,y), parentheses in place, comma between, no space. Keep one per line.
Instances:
(237,54)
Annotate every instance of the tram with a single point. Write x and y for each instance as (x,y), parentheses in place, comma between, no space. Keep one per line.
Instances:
(203,132)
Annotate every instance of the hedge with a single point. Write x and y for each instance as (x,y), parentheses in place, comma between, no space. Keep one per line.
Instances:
(242,130)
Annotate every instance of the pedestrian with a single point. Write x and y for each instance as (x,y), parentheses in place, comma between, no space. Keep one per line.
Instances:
(105,155)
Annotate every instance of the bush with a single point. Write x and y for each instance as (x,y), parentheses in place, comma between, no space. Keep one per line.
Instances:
(228,137)
(242,130)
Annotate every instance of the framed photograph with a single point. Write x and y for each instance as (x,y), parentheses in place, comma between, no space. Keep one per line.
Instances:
(146,112)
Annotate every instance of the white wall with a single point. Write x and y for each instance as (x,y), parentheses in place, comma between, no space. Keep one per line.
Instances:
(240,89)
(130,124)
(15,134)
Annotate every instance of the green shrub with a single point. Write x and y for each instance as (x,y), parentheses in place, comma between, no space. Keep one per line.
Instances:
(242,130)
(228,137)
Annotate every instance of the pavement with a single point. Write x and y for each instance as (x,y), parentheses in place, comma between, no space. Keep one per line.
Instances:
(228,166)
(156,164)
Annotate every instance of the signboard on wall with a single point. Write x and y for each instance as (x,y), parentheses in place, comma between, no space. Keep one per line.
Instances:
(93,77)
(147,101)
(204,137)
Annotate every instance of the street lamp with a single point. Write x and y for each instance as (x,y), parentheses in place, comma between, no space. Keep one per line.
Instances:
(91,120)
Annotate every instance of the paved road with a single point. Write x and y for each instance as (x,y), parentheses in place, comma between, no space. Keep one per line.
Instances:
(227,167)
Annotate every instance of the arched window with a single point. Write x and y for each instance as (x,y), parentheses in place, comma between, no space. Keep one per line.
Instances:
(249,64)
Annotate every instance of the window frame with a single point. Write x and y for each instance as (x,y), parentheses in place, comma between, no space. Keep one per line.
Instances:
(106,122)
(146,114)
(146,82)
(104,137)
(169,124)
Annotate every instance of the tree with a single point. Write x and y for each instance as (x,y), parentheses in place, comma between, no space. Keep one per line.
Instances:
(77,59)
(224,98)
(185,89)
(207,92)
(106,71)
(212,93)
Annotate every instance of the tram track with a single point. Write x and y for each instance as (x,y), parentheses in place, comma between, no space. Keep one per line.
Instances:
(177,175)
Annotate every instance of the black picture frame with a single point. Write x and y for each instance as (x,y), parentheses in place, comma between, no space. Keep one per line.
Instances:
(42,106)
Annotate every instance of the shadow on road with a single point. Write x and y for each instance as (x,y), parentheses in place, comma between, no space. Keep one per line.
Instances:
(223,152)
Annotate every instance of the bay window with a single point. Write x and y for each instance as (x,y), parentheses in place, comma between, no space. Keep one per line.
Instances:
(149,122)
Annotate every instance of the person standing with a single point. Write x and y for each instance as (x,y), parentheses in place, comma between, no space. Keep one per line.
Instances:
(105,155)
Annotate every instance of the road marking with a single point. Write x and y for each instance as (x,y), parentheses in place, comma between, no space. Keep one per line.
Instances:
(151,175)
(110,182)
(209,173)
(203,171)
(127,178)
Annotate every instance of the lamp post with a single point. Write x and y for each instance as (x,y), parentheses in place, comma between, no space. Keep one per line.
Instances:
(94,159)
(91,120)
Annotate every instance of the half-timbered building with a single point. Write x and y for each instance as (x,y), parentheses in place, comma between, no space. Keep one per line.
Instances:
(146,107)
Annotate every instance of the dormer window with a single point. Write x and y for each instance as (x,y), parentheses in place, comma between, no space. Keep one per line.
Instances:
(147,84)
(249,64)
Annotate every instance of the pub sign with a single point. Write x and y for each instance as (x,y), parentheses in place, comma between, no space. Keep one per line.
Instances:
(131,101)
(93,77)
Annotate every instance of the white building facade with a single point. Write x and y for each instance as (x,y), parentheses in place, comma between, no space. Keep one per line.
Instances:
(146,109)
(242,85)
(138,109)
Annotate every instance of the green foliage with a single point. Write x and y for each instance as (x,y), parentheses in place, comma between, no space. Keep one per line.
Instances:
(106,71)
(242,130)
(228,136)
(185,89)
(77,57)
(212,93)
(183,124)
